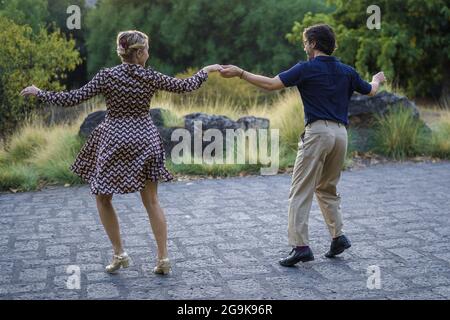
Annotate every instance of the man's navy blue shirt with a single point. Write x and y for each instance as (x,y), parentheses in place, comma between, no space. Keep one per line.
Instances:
(325,85)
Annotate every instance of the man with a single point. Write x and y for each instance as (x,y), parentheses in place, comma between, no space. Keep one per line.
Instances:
(325,85)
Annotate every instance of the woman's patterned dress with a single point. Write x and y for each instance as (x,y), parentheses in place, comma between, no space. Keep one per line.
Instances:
(126,149)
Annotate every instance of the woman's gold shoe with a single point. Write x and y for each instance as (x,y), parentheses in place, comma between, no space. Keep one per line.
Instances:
(118,261)
(162,266)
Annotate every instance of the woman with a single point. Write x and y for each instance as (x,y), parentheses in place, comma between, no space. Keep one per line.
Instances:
(125,153)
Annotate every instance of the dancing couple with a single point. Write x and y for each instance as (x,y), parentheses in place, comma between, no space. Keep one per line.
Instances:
(125,152)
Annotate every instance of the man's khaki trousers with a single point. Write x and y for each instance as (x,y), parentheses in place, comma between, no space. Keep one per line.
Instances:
(317,169)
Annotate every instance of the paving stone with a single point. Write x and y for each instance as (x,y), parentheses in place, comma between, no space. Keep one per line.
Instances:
(32,275)
(102,291)
(57,251)
(226,237)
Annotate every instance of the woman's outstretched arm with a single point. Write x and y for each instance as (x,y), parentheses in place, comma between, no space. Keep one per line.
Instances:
(69,98)
(171,84)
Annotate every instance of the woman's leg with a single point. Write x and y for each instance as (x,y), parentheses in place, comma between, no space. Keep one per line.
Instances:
(158,223)
(109,220)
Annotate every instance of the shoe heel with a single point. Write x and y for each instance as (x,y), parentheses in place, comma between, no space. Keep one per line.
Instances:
(165,271)
(307,259)
(162,267)
(118,262)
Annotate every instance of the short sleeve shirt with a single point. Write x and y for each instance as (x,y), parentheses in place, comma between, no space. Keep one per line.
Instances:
(325,85)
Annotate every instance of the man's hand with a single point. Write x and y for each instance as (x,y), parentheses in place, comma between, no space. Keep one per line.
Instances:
(230,71)
(30,91)
(212,68)
(379,77)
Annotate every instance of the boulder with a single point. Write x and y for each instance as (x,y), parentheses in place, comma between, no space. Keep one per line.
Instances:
(251,122)
(222,123)
(95,118)
(209,122)
(362,109)
(166,134)
(156,114)
(91,122)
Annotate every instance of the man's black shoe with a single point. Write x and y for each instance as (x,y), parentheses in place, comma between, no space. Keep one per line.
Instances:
(338,245)
(296,256)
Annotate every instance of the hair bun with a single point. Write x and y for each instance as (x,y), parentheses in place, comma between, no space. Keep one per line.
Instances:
(123,43)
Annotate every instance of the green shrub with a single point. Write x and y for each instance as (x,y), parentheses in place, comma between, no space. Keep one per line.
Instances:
(53,162)
(287,157)
(36,155)
(351,144)
(171,119)
(25,144)
(287,116)
(399,135)
(18,176)
(213,170)
(440,142)
(27,57)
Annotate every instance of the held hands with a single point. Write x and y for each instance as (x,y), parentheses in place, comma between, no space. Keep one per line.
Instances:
(226,71)
(230,71)
(212,68)
(30,91)
(379,77)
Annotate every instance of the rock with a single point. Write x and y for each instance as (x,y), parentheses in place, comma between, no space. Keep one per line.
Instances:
(362,109)
(91,122)
(251,122)
(156,114)
(222,123)
(95,118)
(209,122)
(166,134)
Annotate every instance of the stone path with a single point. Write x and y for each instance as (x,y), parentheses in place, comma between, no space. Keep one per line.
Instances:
(226,236)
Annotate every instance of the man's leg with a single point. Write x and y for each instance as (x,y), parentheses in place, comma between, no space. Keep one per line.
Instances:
(304,177)
(326,193)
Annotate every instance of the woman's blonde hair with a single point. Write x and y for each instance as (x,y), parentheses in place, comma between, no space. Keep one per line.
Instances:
(128,42)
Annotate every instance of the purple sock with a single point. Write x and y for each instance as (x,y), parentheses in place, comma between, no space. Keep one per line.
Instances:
(301,248)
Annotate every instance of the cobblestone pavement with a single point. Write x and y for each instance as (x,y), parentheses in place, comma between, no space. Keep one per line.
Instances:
(226,237)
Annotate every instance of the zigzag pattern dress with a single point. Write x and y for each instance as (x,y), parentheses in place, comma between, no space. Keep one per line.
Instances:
(126,148)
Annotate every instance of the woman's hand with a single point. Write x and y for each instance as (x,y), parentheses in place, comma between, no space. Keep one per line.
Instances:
(30,91)
(212,68)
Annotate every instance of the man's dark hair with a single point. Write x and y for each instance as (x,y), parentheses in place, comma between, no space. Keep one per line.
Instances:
(324,37)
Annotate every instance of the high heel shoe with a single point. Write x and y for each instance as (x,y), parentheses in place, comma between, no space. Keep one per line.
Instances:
(162,266)
(122,260)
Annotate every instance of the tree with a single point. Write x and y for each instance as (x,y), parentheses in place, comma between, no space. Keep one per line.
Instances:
(29,57)
(52,15)
(412,46)
(30,12)
(192,33)
(57,21)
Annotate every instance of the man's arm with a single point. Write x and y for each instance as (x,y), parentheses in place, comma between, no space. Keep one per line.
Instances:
(262,82)
(377,80)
